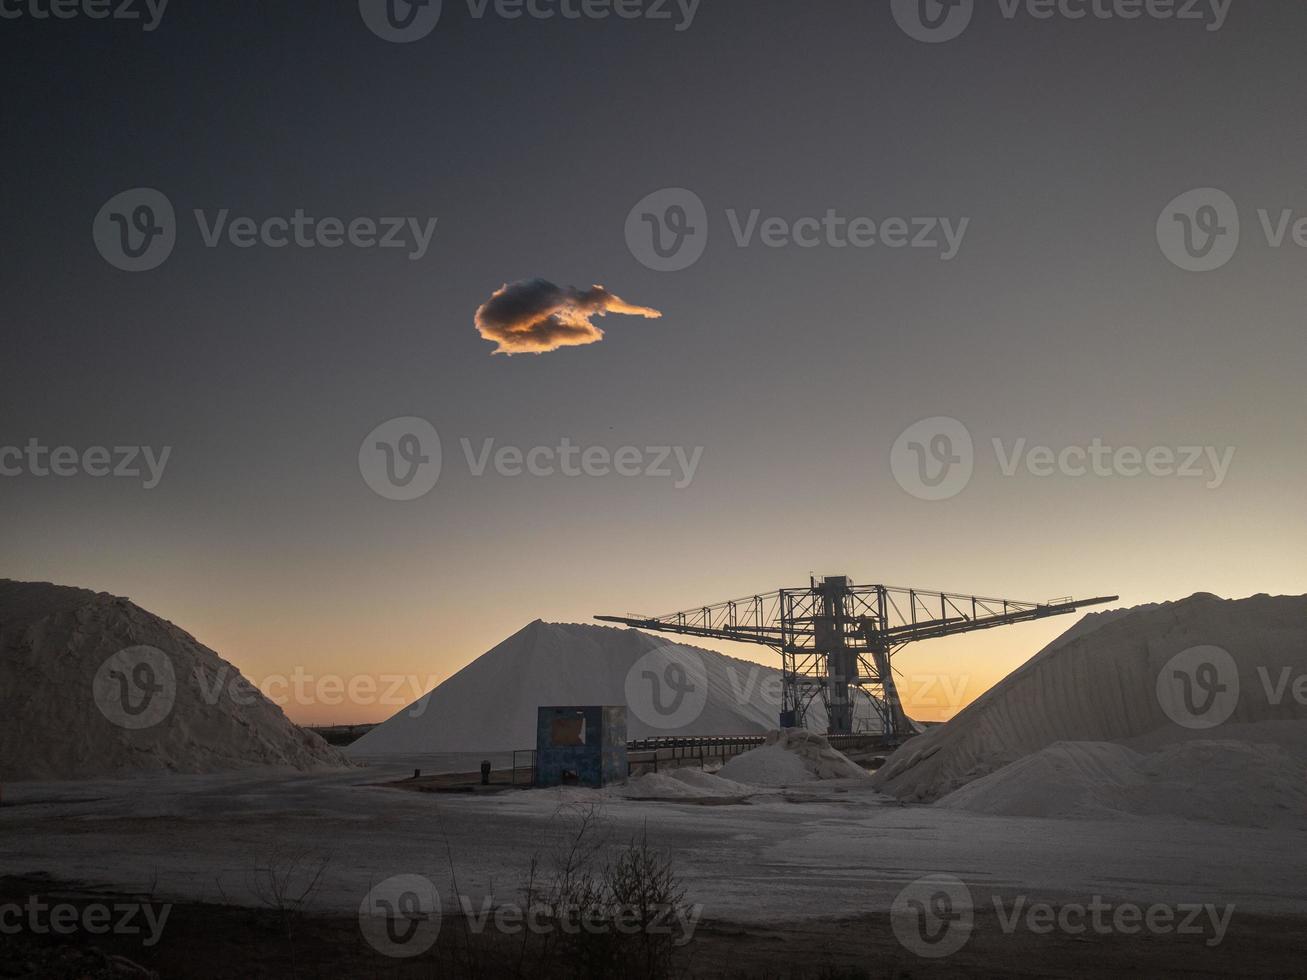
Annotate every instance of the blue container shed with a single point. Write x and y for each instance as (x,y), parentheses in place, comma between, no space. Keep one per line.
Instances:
(581,746)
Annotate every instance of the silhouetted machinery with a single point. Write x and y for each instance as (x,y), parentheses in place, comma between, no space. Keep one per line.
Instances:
(837,640)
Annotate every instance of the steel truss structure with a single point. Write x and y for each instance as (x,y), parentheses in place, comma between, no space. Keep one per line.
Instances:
(837,640)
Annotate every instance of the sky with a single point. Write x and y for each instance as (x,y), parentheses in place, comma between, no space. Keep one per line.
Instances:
(1066,290)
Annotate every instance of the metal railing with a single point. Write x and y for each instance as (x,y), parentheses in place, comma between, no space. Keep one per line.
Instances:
(529,769)
(644,753)
(673,750)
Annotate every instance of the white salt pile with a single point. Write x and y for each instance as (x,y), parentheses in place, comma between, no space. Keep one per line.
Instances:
(1099,683)
(93,686)
(789,756)
(1227,782)
(490,705)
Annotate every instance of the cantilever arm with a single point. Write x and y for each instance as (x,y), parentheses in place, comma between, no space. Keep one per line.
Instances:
(766,635)
(703,623)
(963,624)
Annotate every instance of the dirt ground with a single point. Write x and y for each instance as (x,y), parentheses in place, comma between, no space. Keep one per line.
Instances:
(217,942)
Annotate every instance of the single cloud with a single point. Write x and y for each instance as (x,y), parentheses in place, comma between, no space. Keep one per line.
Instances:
(534,316)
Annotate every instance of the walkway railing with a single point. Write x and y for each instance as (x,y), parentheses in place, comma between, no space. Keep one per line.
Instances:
(671,751)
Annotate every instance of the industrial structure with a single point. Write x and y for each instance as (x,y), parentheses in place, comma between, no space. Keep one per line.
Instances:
(581,746)
(837,640)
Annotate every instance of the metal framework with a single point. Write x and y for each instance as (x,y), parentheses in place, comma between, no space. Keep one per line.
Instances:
(837,640)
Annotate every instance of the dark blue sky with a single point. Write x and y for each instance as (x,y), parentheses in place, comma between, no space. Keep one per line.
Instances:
(1059,321)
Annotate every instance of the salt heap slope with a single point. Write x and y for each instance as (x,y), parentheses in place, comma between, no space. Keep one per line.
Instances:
(1098,683)
(1228,781)
(789,756)
(490,705)
(55,719)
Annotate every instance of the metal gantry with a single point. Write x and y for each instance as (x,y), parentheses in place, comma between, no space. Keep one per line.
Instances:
(837,640)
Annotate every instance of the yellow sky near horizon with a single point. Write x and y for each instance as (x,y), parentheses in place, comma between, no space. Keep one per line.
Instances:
(325,664)
(349,627)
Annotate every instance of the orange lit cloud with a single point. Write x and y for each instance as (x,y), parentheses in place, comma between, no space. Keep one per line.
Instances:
(535,316)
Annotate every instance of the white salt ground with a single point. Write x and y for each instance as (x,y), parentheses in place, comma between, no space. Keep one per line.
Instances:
(670,784)
(681,783)
(198,837)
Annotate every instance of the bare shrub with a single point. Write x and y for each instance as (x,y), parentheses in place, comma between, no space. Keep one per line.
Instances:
(612,909)
(284,881)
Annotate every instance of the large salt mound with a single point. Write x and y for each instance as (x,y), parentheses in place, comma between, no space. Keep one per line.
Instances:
(1066,779)
(490,705)
(1228,782)
(1098,683)
(54,641)
(789,756)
